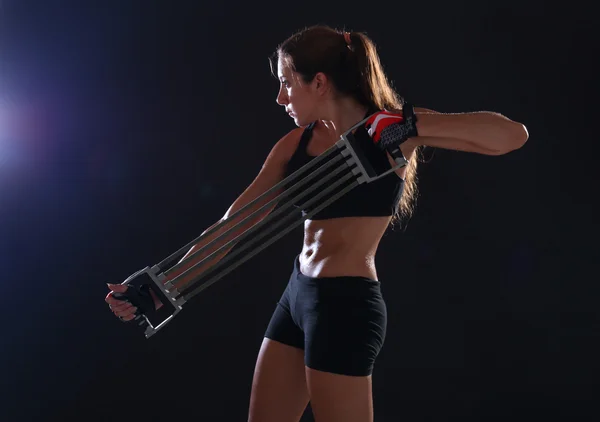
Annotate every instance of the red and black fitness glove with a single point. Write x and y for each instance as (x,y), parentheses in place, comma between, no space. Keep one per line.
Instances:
(389,130)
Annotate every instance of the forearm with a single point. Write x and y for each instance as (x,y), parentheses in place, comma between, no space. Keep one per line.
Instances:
(480,132)
(194,259)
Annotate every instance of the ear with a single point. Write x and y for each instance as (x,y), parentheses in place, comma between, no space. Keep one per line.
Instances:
(321,83)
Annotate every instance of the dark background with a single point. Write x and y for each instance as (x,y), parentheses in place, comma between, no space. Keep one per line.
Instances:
(131,126)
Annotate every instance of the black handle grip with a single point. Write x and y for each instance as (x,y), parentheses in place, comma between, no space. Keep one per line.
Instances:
(139,285)
(138,296)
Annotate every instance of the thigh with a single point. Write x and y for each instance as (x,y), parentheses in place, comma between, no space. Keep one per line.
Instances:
(340,398)
(279,390)
(345,336)
(343,340)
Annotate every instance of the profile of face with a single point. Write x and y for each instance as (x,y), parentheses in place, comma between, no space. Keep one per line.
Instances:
(299,98)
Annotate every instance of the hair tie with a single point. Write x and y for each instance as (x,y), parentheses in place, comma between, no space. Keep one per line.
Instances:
(347,38)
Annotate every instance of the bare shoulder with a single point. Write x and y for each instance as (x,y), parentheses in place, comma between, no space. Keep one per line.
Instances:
(285,147)
(271,173)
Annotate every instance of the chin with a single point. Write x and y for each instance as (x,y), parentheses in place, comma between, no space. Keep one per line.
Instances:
(300,122)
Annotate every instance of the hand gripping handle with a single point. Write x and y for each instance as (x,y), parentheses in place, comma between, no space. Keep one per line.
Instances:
(390,129)
(148,318)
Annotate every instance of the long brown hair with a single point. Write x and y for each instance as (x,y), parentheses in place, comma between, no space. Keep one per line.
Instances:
(354,70)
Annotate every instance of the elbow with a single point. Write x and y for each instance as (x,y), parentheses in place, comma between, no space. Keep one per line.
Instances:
(514,139)
(521,136)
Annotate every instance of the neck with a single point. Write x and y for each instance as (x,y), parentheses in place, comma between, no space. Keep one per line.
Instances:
(342,114)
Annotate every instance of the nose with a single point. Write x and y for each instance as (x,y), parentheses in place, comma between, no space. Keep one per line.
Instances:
(281,97)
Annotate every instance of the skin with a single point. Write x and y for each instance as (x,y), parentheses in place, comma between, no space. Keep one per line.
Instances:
(282,385)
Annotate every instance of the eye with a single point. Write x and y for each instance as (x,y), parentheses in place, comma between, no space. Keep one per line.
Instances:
(285,83)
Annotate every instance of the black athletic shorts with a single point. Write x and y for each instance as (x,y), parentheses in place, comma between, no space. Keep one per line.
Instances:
(339,322)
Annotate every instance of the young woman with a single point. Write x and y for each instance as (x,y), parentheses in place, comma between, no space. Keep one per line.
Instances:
(330,323)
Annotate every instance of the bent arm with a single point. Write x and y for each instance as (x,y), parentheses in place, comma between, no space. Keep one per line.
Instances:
(481,132)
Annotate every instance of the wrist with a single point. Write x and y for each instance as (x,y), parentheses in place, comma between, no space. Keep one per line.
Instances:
(413,142)
(408,147)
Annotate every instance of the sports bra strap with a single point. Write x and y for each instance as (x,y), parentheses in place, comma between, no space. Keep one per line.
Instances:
(306,135)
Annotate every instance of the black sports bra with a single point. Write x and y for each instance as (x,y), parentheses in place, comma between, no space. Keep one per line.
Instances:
(375,199)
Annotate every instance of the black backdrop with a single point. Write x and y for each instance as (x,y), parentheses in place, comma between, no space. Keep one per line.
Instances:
(139,122)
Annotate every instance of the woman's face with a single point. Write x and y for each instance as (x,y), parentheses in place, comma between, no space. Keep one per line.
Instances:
(295,95)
